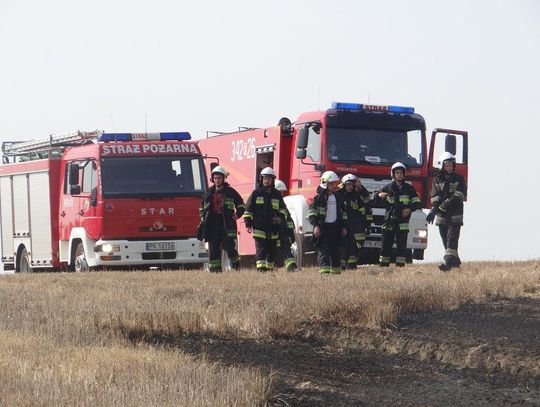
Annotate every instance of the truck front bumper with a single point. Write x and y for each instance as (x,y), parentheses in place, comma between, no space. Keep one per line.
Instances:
(146,252)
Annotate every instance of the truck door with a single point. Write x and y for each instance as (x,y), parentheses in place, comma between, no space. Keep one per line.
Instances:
(446,140)
(88,199)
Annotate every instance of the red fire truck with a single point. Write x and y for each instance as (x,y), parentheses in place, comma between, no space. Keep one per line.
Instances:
(88,199)
(364,140)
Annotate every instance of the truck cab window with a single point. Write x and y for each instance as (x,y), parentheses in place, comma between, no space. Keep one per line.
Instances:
(89,180)
(313,148)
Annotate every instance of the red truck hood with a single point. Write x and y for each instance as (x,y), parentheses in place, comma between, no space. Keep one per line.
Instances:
(150,219)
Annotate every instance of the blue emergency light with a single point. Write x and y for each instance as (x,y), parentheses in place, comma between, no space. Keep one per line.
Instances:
(171,136)
(373,108)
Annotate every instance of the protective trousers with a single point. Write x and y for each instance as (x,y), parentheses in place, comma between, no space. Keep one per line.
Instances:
(285,256)
(450,238)
(350,251)
(388,238)
(218,241)
(328,248)
(265,253)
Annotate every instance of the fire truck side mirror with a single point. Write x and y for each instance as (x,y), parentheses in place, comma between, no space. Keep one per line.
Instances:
(73,179)
(302,139)
(213,165)
(301,154)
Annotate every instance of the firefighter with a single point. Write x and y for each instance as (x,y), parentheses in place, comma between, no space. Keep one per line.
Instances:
(265,212)
(220,207)
(355,197)
(329,219)
(401,200)
(286,236)
(447,195)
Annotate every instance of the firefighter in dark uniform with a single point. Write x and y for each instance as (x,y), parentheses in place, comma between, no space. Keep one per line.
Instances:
(265,212)
(447,195)
(220,207)
(329,219)
(355,197)
(401,200)
(285,256)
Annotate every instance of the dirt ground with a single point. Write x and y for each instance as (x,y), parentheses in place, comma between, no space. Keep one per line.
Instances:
(477,355)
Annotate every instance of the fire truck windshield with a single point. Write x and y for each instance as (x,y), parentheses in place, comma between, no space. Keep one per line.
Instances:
(375,146)
(124,177)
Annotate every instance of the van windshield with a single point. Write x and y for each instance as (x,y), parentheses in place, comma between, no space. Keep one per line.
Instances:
(152,176)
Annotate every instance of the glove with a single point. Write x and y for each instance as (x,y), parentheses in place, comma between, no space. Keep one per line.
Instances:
(445,205)
(430,216)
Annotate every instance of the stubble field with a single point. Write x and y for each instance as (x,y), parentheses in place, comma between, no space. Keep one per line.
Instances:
(412,337)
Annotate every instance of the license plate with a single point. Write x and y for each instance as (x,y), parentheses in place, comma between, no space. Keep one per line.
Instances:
(160,246)
(376,244)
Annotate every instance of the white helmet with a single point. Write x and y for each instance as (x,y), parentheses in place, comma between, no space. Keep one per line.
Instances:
(445,157)
(397,166)
(280,185)
(328,176)
(349,178)
(269,172)
(219,170)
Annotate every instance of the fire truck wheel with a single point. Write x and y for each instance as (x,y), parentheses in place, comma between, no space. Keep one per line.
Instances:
(80,262)
(23,263)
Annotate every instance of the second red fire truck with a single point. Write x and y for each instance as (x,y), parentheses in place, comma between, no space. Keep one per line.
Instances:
(90,199)
(364,140)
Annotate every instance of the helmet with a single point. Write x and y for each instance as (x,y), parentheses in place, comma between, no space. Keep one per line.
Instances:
(328,176)
(445,157)
(397,166)
(280,185)
(349,178)
(269,172)
(219,170)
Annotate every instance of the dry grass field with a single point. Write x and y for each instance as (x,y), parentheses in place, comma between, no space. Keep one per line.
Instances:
(189,338)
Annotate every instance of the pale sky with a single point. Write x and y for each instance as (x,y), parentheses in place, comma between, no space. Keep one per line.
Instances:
(216,65)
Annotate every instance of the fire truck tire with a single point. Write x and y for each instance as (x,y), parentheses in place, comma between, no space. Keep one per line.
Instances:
(23,262)
(79,261)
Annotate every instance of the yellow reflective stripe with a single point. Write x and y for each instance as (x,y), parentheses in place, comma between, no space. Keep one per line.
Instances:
(290,225)
(403,226)
(259,200)
(400,260)
(247,215)
(460,195)
(435,199)
(274,236)
(384,259)
(289,262)
(275,203)
(325,269)
(259,233)
(312,212)
(415,199)
(362,210)
(283,212)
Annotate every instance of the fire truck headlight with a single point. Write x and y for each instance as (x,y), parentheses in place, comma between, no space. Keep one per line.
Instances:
(110,248)
(421,232)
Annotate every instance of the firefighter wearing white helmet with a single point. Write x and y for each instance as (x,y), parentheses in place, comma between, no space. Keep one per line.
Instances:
(355,200)
(285,257)
(448,192)
(328,176)
(265,212)
(400,199)
(329,220)
(220,207)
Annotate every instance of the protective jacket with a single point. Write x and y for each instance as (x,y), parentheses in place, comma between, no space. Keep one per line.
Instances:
(262,207)
(317,210)
(399,197)
(232,203)
(447,195)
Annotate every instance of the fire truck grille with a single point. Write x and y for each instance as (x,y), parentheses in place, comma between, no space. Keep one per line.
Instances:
(163,229)
(159,256)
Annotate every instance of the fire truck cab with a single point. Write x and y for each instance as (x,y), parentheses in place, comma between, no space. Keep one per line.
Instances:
(91,199)
(364,140)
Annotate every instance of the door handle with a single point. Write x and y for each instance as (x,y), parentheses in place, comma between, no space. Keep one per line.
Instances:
(62,214)
(81,212)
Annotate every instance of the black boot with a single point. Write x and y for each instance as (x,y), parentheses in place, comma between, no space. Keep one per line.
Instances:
(444,266)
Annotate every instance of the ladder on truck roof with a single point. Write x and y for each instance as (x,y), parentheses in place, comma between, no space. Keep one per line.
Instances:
(39,148)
